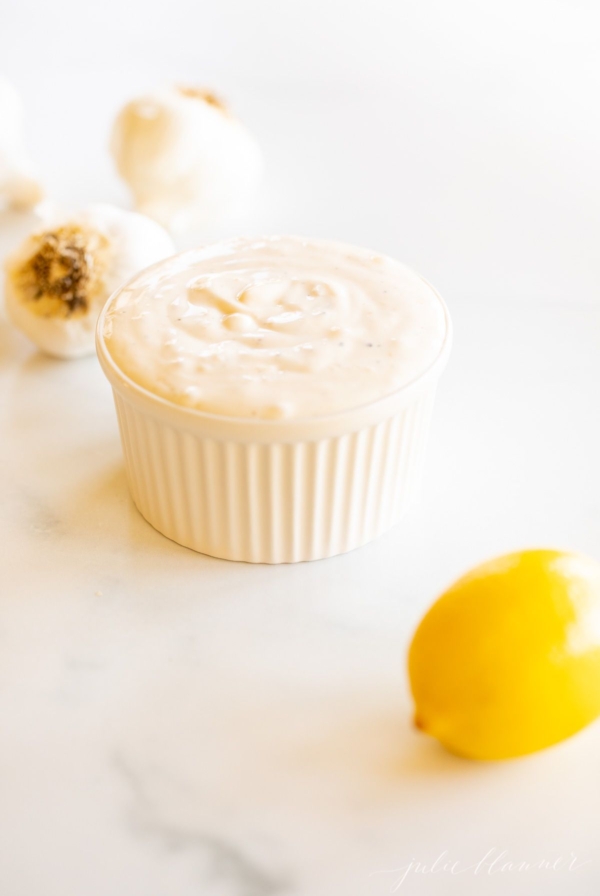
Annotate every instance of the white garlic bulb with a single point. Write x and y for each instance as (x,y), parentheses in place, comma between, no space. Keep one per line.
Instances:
(59,278)
(19,186)
(187,160)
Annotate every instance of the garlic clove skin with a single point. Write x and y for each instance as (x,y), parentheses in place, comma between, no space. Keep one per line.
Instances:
(187,160)
(58,279)
(137,241)
(19,185)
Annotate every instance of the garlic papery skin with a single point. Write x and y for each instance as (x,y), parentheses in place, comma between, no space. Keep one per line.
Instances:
(189,163)
(58,279)
(19,185)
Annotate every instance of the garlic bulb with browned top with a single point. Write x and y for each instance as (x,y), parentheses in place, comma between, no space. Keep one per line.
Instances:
(188,161)
(59,278)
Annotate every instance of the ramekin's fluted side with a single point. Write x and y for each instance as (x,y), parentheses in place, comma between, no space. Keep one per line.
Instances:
(274,502)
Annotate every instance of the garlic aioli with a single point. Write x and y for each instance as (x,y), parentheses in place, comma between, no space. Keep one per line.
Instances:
(274,328)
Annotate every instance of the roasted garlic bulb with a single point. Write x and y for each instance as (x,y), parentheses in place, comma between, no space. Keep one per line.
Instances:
(58,280)
(188,161)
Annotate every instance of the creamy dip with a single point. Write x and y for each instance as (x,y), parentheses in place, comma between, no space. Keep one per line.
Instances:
(275,328)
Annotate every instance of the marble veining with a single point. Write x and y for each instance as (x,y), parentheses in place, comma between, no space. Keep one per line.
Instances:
(175,725)
(218,860)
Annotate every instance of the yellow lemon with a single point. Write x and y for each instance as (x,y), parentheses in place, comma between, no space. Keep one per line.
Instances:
(507,661)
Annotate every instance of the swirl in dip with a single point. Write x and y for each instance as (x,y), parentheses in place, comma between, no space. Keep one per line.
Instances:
(275,328)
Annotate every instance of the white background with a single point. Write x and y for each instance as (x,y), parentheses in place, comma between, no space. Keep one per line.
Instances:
(463,137)
(174,725)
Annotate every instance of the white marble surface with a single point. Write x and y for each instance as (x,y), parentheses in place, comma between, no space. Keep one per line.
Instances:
(173,725)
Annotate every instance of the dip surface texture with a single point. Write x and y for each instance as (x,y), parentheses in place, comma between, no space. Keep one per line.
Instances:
(275,328)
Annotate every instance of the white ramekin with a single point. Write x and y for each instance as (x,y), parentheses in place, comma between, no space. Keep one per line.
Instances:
(273,491)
